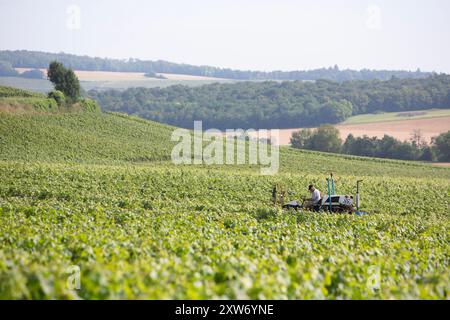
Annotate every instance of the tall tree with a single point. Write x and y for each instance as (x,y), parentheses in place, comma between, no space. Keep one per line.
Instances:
(326,138)
(442,143)
(64,80)
(300,139)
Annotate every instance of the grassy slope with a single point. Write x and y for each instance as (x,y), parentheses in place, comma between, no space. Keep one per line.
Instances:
(18,100)
(112,138)
(95,191)
(394,116)
(97,138)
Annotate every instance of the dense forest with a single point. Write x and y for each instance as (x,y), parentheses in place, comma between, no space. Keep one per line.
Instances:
(272,104)
(37,59)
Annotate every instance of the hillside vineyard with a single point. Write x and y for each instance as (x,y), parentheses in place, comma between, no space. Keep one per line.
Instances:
(110,209)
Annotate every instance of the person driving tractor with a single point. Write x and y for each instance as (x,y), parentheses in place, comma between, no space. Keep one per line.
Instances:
(315,198)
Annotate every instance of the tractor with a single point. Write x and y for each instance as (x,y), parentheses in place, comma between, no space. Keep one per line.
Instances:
(330,202)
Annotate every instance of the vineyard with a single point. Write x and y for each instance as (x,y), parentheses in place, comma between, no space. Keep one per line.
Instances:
(98,191)
(18,100)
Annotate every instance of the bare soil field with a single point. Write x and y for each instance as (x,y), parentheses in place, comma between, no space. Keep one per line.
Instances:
(442,164)
(401,129)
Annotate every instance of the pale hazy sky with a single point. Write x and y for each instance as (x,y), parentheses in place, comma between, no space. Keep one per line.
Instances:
(245,34)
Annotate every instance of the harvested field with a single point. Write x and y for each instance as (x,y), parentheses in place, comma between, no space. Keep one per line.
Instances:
(125,76)
(401,130)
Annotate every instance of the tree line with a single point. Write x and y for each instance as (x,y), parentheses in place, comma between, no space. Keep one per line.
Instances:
(38,59)
(7,70)
(327,138)
(271,104)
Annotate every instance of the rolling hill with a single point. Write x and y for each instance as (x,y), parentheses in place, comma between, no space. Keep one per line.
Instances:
(82,138)
(112,138)
(18,100)
(98,193)
(276,105)
(39,59)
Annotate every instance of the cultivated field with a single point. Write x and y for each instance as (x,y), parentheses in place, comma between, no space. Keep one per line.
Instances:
(396,116)
(127,76)
(146,83)
(111,80)
(99,75)
(98,192)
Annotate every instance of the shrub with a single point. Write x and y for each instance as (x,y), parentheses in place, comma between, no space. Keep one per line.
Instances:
(46,105)
(152,74)
(89,105)
(58,96)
